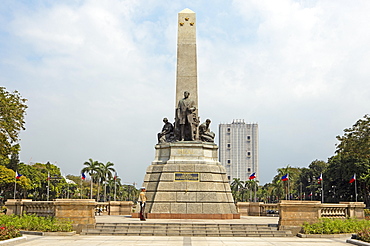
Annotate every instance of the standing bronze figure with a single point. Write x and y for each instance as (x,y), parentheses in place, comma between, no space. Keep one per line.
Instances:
(186,122)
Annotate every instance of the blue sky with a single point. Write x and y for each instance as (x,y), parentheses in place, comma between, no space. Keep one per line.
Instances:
(100,76)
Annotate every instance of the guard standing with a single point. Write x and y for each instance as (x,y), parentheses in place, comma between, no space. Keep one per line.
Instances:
(142,200)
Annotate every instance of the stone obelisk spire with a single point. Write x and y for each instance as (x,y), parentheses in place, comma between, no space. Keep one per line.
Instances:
(186,78)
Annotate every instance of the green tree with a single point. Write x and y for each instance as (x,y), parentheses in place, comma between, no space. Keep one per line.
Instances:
(308,180)
(7,182)
(92,168)
(352,156)
(236,187)
(12,111)
(106,172)
(286,189)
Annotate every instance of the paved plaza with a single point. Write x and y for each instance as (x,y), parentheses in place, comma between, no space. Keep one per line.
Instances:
(179,241)
(176,241)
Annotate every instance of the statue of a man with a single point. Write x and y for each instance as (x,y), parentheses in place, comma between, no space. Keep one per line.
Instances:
(185,118)
(166,135)
(205,133)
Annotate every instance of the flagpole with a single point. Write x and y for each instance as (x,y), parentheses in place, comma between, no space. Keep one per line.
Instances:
(15,184)
(48,187)
(115,189)
(255,191)
(81,190)
(322,190)
(356,187)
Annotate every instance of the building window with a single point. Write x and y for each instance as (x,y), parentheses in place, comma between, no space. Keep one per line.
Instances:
(228,162)
(228,129)
(228,145)
(228,177)
(249,154)
(249,169)
(248,138)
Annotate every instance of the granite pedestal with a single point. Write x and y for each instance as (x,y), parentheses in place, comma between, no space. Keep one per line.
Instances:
(186,181)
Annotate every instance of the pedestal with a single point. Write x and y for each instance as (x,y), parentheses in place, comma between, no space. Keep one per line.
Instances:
(186,181)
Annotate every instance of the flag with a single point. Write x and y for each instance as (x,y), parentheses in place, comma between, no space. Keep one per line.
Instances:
(83,177)
(310,194)
(48,178)
(353,178)
(285,177)
(17,175)
(319,179)
(252,176)
(115,176)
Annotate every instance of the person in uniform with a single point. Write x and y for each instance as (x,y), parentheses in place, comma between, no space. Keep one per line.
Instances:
(142,200)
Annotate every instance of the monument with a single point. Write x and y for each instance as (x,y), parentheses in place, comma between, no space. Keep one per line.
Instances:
(186,180)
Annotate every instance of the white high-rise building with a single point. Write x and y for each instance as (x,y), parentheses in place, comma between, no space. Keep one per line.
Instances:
(238,149)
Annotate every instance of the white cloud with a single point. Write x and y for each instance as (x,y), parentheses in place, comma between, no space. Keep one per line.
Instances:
(100,76)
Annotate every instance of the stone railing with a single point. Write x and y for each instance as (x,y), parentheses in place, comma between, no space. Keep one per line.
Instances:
(102,208)
(334,210)
(41,208)
(293,214)
(257,209)
(80,211)
(269,209)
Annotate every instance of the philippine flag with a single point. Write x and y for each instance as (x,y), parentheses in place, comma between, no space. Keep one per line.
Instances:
(285,177)
(353,178)
(83,177)
(252,176)
(319,179)
(17,175)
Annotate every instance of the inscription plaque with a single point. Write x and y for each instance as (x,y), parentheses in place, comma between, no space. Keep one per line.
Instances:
(182,177)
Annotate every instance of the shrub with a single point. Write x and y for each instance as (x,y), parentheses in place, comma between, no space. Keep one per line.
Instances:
(8,232)
(364,234)
(335,226)
(367,214)
(35,223)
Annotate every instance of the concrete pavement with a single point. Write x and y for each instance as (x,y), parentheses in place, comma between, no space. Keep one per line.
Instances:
(179,241)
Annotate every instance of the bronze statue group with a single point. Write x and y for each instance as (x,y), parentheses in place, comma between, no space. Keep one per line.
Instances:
(186,126)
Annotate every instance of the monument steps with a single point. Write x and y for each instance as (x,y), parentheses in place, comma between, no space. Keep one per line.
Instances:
(186,229)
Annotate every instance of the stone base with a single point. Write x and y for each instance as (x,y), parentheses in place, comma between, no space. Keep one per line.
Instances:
(190,216)
(186,181)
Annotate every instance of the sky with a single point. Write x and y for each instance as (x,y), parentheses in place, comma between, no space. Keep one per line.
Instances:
(99,76)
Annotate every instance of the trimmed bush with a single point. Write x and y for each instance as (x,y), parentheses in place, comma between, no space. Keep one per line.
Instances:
(364,235)
(335,226)
(8,232)
(35,223)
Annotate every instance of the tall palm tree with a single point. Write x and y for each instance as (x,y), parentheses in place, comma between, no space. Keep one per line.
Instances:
(91,167)
(236,186)
(107,171)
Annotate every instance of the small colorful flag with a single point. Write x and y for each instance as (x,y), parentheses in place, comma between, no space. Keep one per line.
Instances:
(319,179)
(310,194)
(83,177)
(285,177)
(115,176)
(17,175)
(48,178)
(353,179)
(252,176)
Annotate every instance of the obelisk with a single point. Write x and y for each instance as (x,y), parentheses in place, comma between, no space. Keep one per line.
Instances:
(186,180)
(186,77)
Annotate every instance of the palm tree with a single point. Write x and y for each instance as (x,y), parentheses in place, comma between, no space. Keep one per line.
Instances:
(91,168)
(106,174)
(236,185)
